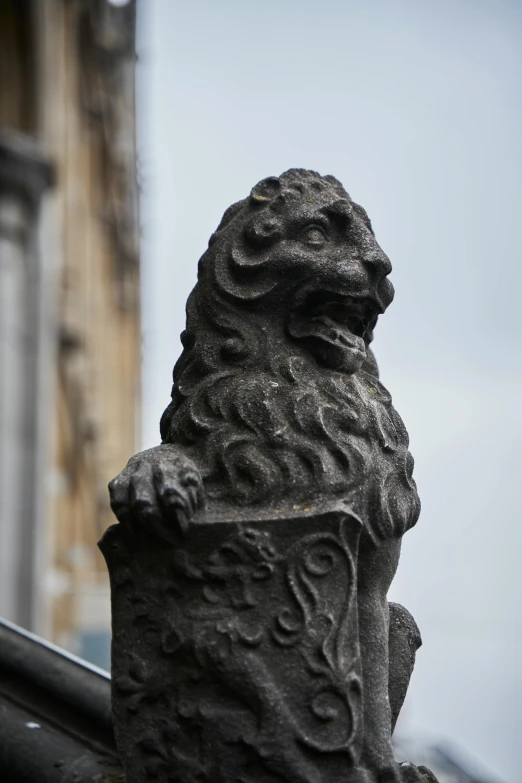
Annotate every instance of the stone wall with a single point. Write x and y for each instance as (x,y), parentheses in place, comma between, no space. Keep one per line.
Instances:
(74,66)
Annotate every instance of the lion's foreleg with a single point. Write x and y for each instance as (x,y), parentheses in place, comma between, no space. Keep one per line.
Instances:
(377,566)
(404,641)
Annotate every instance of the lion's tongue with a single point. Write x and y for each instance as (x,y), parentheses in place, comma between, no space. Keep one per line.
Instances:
(325,327)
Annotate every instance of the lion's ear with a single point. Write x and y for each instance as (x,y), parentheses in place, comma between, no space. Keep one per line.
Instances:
(265,190)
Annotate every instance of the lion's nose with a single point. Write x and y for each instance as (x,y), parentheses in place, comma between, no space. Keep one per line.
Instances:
(378,262)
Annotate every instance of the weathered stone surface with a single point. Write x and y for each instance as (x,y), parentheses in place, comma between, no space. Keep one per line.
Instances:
(257,544)
(404,640)
(243,648)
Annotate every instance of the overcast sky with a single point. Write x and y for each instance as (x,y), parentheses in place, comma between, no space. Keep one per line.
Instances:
(415,105)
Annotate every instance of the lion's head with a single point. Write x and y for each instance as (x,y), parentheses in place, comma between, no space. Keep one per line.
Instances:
(301,257)
(268,394)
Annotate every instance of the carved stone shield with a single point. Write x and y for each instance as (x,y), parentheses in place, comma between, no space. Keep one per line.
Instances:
(235,654)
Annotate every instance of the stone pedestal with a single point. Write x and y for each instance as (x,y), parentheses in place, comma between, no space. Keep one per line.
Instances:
(235,653)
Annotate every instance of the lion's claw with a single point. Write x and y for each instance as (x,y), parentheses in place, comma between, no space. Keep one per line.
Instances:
(159,491)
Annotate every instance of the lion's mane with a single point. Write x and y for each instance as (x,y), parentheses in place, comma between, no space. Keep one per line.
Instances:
(264,422)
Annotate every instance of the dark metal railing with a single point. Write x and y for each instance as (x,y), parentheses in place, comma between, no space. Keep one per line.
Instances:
(55,714)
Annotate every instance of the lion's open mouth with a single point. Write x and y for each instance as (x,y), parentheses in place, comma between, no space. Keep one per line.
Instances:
(344,321)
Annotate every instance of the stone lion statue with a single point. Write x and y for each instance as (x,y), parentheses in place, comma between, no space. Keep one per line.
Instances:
(277,405)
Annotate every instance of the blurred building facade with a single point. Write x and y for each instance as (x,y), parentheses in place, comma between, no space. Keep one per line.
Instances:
(69,307)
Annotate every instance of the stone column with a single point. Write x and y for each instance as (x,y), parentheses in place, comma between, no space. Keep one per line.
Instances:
(25,174)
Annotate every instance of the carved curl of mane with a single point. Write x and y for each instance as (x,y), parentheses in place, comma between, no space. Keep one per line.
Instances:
(261,418)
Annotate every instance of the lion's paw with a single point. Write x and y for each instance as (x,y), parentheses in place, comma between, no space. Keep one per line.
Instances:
(412,774)
(159,491)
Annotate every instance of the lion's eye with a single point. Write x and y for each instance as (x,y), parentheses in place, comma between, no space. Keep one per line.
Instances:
(314,236)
